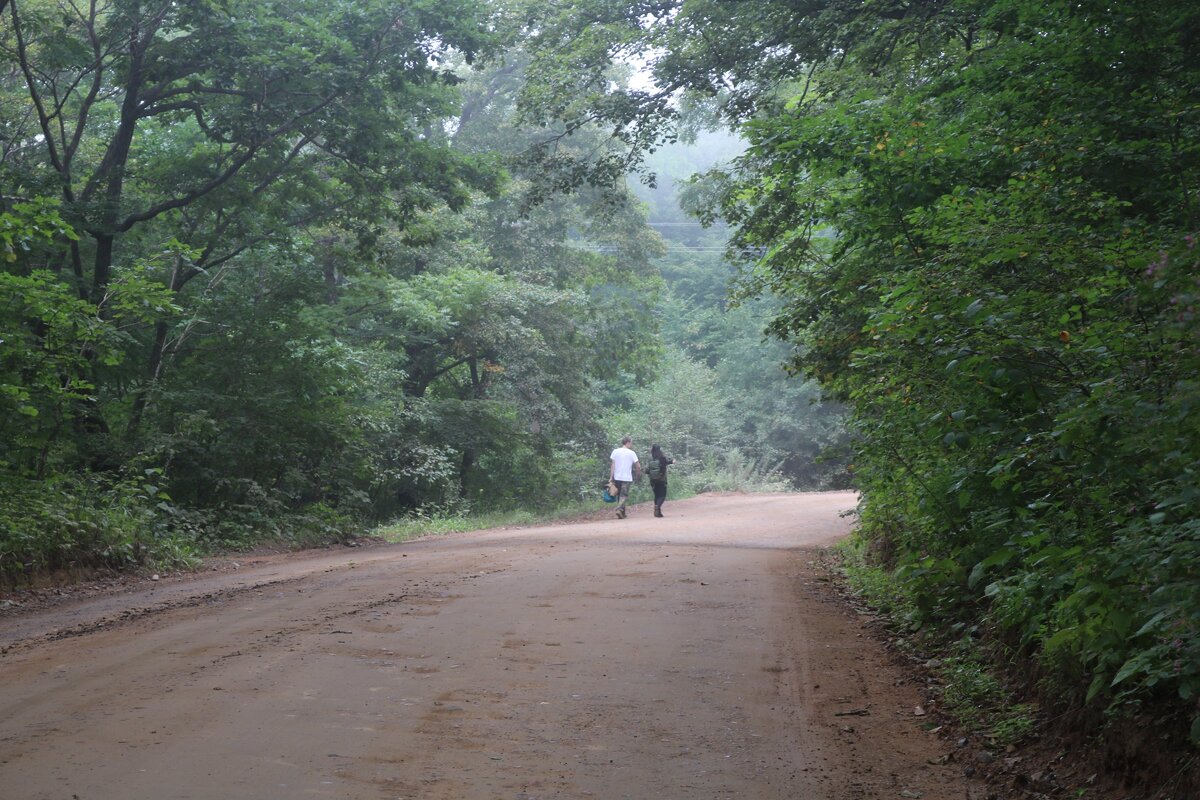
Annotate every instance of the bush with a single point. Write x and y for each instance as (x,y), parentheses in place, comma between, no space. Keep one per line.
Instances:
(87,522)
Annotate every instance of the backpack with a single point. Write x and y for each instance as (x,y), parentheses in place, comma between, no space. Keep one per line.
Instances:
(655,470)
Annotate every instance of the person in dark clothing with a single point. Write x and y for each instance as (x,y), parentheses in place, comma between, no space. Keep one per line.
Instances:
(656,471)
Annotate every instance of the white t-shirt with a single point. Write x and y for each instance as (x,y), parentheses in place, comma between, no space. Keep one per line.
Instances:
(623,460)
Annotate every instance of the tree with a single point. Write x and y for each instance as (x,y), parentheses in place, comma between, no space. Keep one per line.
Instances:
(965,236)
(782,421)
(485,330)
(160,120)
(199,155)
(979,218)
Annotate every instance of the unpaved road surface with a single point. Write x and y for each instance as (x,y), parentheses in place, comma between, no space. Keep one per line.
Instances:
(696,656)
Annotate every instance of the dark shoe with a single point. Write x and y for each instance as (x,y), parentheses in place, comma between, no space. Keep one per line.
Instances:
(620,513)
(658,512)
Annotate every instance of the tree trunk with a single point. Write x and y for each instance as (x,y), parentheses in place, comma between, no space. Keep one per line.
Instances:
(154,369)
(112,171)
(329,268)
(471,454)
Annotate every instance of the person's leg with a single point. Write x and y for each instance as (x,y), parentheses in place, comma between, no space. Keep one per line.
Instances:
(660,495)
(622,496)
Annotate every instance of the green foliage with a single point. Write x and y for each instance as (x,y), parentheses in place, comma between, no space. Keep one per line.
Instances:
(82,523)
(435,522)
(327,338)
(55,347)
(47,335)
(980,219)
(734,471)
(783,424)
(691,430)
(259,405)
(784,419)
(497,342)
(699,434)
(879,587)
(971,690)
(975,696)
(27,230)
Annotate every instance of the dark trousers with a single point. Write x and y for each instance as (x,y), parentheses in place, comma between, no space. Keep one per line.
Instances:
(660,492)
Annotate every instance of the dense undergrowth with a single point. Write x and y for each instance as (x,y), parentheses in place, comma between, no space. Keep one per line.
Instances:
(981,220)
(83,525)
(327,275)
(76,526)
(978,689)
(988,691)
(986,231)
(977,220)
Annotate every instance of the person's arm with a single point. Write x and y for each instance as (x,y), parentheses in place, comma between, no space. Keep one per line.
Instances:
(637,470)
(612,468)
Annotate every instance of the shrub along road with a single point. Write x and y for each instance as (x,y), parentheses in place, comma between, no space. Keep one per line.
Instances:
(701,655)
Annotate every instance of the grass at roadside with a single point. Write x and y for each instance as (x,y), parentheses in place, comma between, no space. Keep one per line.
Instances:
(971,689)
(452,521)
(435,524)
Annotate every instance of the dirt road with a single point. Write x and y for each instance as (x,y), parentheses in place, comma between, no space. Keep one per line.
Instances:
(695,656)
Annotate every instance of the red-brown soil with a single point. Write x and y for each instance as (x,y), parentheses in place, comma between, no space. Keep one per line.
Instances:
(701,655)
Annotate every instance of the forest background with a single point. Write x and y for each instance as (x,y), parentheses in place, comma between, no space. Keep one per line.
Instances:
(288,269)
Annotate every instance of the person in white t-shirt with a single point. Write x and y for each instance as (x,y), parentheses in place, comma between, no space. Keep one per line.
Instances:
(623,468)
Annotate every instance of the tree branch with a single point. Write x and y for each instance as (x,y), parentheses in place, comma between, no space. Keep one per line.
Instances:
(94,91)
(39,104)
(190,196)
(223,178)
(158,93)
